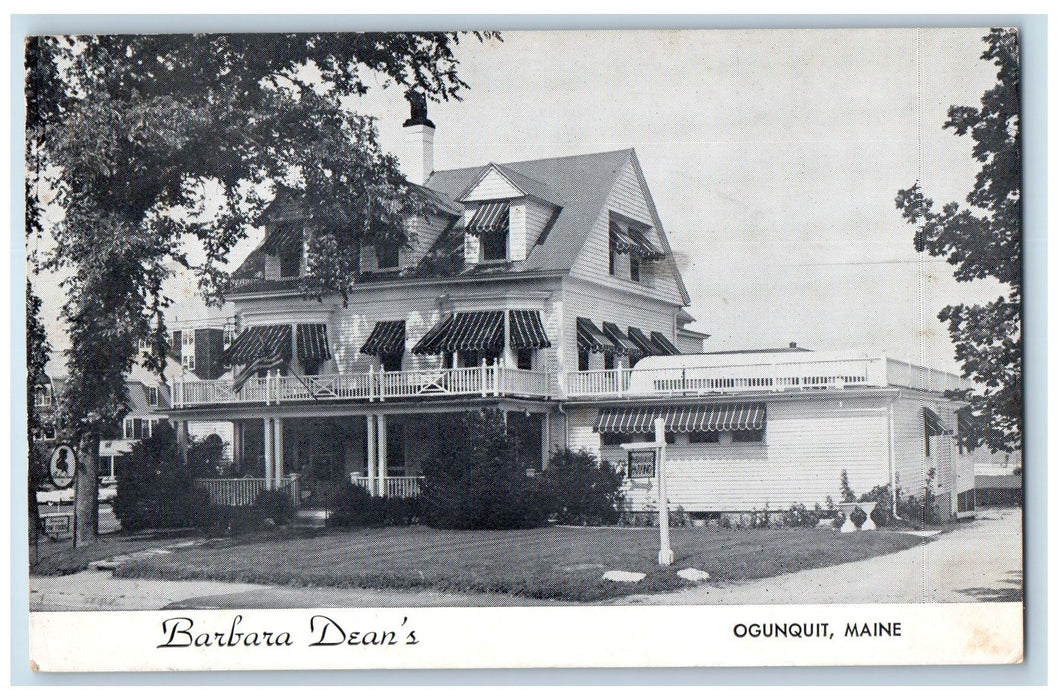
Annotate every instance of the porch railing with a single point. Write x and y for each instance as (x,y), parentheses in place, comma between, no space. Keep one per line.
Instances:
(244,491)
(394,486)
(486,380)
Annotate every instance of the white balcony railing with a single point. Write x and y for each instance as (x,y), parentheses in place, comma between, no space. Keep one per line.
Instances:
(699,375)
(244,491)
(393,486)
(370,386)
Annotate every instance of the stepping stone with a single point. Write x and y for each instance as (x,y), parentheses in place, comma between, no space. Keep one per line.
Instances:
(691,574)
(623,576)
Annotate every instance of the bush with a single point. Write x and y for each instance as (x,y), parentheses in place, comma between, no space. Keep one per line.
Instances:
(353,505)
(799,516)
(847,494)
(580,490)
(155,491)
(882,515)
(475,481)
(858,517)
(276,506)
(921,511)
(205,458)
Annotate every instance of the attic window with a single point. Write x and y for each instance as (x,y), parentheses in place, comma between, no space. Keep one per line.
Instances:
(491,223)
(387,254)
(152,396)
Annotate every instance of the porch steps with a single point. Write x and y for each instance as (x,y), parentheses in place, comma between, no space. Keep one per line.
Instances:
(312,517)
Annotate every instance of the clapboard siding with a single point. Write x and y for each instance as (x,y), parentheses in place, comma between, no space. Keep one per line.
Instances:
(537,214)
(627,199)
(493,186)
(807,444)
(200,430)
(624,309)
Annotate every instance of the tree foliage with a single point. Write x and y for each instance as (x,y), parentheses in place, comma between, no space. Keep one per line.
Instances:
(983,241)
(127,135)
(38,352)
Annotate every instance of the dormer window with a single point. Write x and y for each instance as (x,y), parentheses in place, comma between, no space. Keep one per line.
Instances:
(630,247)
(290,261)
(491,223)
(387,255)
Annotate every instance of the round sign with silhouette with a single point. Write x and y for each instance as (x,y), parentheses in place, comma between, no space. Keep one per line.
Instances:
(63,466)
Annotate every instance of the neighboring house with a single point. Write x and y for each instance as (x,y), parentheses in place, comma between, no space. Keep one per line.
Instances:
(546,289)
(997,478)
(148,406)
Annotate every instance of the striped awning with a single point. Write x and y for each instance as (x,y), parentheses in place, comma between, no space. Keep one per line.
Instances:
(490,218)
(471,330)
(934,425)
(312,342)
(527,330)
(281,235)
(683,419)
(631,241)
(641,341)
(589,337)
(664,344)
(622,345)
(387,338)
(257,342)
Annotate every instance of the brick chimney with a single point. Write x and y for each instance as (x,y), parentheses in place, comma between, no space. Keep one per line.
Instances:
(418,140)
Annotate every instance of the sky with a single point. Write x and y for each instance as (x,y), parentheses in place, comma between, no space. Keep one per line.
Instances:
(773,156)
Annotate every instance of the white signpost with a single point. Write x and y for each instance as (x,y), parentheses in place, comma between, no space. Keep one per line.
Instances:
(665,555)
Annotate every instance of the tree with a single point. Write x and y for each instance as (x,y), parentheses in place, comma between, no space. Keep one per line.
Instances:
(983,241)
(38,352)
(128,135)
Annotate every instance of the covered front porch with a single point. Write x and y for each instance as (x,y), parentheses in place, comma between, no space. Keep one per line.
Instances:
(311,456)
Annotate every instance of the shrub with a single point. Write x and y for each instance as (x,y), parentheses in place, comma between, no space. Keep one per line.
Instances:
(839,519)
(156,491)
(921,511)
(580,490)
(847,494)
(858,517)
(475,481)
(353,505)
(276,506)
(799,516)
(882,515)
(205,458)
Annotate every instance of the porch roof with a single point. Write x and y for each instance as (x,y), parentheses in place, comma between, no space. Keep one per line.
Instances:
(683,418)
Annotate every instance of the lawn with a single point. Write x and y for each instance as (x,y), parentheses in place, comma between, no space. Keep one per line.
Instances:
(60,558)
(557,562)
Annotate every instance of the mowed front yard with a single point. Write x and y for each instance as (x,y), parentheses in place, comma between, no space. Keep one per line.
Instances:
(557,562)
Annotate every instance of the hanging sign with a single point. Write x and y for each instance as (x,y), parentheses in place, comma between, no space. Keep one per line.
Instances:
(642,464)
(63,466)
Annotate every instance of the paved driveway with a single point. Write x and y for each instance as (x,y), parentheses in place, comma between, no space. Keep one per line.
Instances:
(981,561)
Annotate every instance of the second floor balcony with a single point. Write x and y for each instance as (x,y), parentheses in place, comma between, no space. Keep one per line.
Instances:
(687,375)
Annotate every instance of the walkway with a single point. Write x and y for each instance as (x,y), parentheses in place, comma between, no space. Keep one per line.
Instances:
(981,561)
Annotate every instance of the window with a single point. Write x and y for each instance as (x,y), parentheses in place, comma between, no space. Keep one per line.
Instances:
(613,253)
(188,361)
(231,331)
(618,439)
(494,245)
(391,361)
(609,360)
(395,449)
(582,360)
(42,397)
(188,352)
(704,436)
(633,268)
(152,395)
(748,435)
(137,428)
(387,254)
(525,358)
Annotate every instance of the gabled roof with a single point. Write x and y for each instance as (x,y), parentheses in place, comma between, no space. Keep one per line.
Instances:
(521,182)
(582,183)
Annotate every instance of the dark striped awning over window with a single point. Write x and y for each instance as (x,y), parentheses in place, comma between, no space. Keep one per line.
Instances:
(387,338)
(282,235)
(257,342)
(683,419)
(622,345)
(934,425)
(631,241)
(312,342)
(589,337)
(471,330)
(664,344)
(641,341)
(527,330)
(490,218)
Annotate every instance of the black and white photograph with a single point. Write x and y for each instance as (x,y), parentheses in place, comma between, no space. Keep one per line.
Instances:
(329,332)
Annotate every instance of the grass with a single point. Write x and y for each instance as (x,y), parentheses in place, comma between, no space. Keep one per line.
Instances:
(61,559)
(558,563)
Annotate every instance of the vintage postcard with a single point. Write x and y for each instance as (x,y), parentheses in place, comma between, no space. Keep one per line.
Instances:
(358,350)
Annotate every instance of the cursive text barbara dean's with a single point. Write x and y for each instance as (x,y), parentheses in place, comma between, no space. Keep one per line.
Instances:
(182,632)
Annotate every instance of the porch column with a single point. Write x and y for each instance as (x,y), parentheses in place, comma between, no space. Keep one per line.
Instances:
(277,438)
(269,452)
(372,462)
(545,440)
(382,455)
(236,444)
(510,358)
(181,440)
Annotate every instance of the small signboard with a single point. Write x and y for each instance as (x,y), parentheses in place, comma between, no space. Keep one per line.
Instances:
(642,464)
(57,526)
(62,466)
